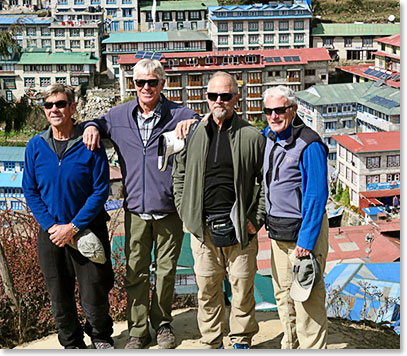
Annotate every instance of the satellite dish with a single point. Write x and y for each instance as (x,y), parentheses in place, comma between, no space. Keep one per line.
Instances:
(391,18)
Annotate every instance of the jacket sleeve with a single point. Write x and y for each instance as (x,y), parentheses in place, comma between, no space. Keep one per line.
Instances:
(31,192)
(178,176)
(95,202)
(102,124)
(314,170)
(257,212)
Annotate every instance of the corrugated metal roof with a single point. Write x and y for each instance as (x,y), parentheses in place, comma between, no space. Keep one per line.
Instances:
(370,141)
(334,93)
(12,154)
(25,20)
(393,40)
(11,180)
(387,94)
(178,5)
(359,70)
(351,29)
(57,58)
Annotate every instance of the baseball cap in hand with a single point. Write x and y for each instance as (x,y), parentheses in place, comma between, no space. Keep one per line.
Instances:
(306,273)
(168,144)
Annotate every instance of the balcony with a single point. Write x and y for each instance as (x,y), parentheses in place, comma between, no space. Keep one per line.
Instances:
(377,122)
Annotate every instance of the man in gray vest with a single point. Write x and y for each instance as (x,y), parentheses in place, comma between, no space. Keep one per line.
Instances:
(296,189)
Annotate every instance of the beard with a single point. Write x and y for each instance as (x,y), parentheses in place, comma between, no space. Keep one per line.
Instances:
(219,113)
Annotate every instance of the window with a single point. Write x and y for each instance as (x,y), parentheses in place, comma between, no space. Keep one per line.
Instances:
(299,25)
(347,173)
(299,38)
(331,155)
(238,27)
(45,31)
(126,2)
(283,25)
(61,68)
(347,41)
(180,25)
(268,25)
(354,178)
(111,12)
(192,61)
(114,60)
(29,82)
(128,25)
(194,15)
(60,44)
(31,31)
(9,166)
(44,82)
(347,124)
(238,39)
(250,60)
(367,42)
(3,205)
(77,67)
(61,80)
(230,60)
(330,126)
(111,2)
(60,32)
(328,42)
(46,43)
(76,44)
(9,83)
(284,38)
(89,32)
(210,60)
(127,12)
(7,67)
(180,16)
(310,72)
(341,169)
(89,44)
(115,26)
(95,2)
(373,179)
(167,16)
(74,32)
(253,26)
(79,2)
(223,27)
(393,177)
(393,161)
(223,40)
(268,38)
(342,151)
(253,39)
(373,162)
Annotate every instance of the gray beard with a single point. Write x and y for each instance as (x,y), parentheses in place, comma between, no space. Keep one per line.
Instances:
(219,113)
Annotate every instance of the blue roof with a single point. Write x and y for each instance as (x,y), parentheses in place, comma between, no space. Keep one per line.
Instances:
(11,180)
(374,210)
(12,154)
(365,291)
(25,20)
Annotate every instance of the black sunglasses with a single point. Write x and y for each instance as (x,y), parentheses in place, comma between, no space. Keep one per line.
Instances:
(151,82)
(59,104)
(223,96)
(280,110)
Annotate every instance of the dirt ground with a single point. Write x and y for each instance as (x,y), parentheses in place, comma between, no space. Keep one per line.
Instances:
(343,334)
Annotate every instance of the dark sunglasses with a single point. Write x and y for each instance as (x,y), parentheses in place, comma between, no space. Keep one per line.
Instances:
(223,96)
(151,82)
(280,110)
(60,104)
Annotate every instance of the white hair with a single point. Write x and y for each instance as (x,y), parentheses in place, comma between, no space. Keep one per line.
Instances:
(280,91)
(149,66)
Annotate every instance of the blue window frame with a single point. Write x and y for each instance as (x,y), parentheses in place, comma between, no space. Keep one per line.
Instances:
(127,12)
(9,166)
(16,205)
(128,25)
(3,205)
(115,26)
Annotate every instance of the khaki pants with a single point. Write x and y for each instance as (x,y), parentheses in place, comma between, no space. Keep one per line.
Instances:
(211,265)
(305,324)
(167,234)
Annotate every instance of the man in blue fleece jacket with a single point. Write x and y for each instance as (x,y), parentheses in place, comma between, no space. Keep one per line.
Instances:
(296,190)
(150,215)
(65,186)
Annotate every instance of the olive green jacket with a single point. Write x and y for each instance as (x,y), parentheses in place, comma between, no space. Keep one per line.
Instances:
(247,146)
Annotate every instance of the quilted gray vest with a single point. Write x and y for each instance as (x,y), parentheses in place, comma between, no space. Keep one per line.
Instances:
(282,175)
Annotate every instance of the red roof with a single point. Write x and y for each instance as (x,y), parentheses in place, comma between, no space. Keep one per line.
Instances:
(393,40)
(360,71)
(385,54)
(370,141)
(381,193)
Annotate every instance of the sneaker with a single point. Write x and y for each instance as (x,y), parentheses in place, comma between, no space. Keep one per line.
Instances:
(138,342)
(100,345)
(166,337)
(240,346)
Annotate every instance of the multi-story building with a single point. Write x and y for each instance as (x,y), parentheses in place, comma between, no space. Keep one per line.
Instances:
(25,6)
(349,108)
(351,41)
(174,15)
(278,24)
(11,177)
(8,75)
(369,165)
(188,74)
(172,41)
(386,68)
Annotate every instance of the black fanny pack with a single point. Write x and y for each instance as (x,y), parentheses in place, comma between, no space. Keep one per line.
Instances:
(283,229)
(222,229)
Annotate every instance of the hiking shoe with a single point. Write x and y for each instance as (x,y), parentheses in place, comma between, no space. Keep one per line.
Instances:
(165,337)
(240,346)
(136,342)
(100,345)
(81,345)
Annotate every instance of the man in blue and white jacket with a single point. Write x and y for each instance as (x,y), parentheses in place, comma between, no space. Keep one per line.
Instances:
(296,191)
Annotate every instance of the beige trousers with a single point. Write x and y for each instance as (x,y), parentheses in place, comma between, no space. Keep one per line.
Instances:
(211,265)
(304,324)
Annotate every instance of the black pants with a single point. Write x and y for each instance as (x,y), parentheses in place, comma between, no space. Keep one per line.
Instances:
(60,266)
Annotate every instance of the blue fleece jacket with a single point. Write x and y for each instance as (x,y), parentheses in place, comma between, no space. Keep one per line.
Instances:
(73,189)
(314,172)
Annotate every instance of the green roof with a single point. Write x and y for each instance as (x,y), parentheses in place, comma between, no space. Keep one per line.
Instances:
(57,58)
(178,5)
(351,29)
(386,92)
(334,93)
(159,36)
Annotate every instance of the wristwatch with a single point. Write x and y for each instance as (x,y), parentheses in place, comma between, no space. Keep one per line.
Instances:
(75,228)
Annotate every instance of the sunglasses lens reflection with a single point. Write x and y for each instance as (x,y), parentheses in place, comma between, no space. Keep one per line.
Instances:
(142,82)
(59,104)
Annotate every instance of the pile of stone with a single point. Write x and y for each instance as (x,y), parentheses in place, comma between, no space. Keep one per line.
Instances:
(96,103)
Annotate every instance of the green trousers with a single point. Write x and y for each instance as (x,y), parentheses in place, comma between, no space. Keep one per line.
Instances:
(167,235)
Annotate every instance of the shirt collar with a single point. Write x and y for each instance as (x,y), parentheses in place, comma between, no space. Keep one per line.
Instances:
(284,135)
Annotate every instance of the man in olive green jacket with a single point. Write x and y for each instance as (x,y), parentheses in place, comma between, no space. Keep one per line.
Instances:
(219,196)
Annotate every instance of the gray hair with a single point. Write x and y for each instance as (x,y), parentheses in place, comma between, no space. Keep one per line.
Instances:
(280,91)
(231,78)
(149,66)
(60,88)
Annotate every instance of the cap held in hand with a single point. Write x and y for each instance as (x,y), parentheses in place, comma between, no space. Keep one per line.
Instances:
(168,144)
(306,274)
